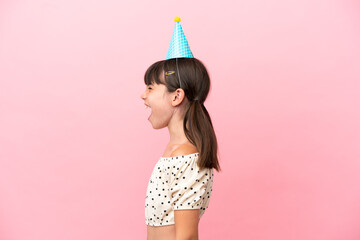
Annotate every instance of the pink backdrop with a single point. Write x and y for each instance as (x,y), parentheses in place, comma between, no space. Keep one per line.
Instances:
(77,151)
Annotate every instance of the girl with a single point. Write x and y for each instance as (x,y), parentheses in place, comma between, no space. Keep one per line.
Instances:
(180,186)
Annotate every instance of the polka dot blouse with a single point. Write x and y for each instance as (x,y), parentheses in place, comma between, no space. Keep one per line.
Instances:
(176,183)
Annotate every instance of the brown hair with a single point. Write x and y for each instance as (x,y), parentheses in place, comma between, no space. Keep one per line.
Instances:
(195,82)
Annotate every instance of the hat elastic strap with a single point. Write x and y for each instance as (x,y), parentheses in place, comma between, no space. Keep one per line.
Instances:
(177,69)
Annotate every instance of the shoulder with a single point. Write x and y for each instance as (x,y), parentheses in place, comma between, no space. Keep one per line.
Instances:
(184,149)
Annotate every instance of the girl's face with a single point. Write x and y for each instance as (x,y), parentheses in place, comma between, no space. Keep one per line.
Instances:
(158,99)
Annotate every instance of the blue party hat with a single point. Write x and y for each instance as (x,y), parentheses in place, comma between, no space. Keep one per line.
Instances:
(179,46)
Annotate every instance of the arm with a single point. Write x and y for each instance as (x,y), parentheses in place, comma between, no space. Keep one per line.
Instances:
(186,224)
(186,220)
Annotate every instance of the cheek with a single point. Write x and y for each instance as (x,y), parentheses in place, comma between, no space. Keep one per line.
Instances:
(162,110)
(161,104)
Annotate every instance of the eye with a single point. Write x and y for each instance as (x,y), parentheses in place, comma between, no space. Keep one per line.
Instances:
(149,88)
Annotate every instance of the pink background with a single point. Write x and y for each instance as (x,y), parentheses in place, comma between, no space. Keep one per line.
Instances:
(77,150)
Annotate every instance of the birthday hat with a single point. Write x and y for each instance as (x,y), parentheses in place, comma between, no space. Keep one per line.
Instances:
(179,46)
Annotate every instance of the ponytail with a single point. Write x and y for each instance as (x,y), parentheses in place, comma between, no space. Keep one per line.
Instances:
(199,131)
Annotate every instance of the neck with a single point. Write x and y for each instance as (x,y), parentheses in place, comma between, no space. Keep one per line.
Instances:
(175,127)
(176,132)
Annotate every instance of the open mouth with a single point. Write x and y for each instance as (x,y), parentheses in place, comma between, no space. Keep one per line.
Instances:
(146,107)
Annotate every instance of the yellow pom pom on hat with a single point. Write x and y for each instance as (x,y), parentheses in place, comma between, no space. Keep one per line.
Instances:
(179,46)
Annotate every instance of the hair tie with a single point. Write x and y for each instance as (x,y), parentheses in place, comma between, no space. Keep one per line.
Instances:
(197,100)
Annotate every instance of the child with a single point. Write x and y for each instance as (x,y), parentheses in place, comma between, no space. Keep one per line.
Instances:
(180,186)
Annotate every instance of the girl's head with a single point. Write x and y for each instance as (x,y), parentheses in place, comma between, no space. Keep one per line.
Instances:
(183,85)
(194,78)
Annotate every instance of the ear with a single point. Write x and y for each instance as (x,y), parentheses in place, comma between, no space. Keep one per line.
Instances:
(177,97)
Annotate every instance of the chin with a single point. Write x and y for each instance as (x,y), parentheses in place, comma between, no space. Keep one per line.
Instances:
(159,126)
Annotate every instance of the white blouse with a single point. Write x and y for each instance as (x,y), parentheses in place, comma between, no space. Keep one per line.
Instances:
(177,183)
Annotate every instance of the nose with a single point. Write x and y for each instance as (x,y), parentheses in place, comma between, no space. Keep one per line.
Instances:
(142,96)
